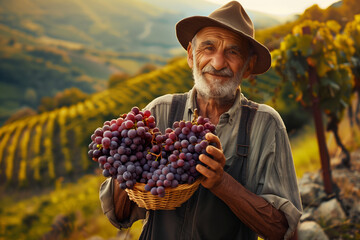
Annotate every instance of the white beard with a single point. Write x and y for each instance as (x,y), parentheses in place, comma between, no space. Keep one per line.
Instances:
(217,90)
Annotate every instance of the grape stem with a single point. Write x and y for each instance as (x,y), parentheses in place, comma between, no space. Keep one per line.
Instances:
(195,117)
(156,155)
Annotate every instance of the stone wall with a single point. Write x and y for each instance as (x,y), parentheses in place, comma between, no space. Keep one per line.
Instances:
(336,216)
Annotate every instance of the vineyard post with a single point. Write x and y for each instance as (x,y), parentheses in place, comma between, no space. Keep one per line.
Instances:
(320,134)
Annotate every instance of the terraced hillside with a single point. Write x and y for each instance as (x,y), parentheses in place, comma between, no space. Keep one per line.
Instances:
(37,150)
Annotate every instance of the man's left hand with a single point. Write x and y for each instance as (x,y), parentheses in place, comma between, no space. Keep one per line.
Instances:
(215,166)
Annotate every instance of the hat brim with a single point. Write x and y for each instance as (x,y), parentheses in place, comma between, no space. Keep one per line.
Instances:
(187,28)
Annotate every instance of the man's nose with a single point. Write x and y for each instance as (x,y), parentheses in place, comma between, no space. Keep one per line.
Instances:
(218,60)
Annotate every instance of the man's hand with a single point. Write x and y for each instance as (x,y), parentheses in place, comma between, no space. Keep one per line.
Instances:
(215,166)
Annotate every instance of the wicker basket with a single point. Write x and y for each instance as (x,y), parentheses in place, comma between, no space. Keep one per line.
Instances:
(173,198)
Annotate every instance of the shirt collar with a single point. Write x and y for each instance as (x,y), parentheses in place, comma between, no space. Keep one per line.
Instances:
(230,114)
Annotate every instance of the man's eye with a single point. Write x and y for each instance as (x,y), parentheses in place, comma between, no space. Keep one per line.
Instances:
(234,52)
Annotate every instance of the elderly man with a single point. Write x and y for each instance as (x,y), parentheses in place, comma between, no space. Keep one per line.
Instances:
(250,186)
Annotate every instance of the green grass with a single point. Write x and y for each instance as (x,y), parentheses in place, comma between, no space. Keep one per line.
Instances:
(305,151)
(30,218)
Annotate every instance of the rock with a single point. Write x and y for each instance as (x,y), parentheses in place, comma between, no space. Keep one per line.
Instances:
(307,216)
(354,213)
(318,178)
(306,179)
(330,212)
(311,194)
(310,230)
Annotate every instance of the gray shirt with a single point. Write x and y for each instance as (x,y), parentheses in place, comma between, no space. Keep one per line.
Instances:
(271,172)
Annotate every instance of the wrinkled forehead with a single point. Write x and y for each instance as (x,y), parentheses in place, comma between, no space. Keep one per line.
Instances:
(216,34)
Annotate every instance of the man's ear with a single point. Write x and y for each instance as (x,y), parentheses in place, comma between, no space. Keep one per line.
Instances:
(190,55)
(250,66)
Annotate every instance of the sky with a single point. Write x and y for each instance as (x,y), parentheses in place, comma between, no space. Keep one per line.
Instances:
(279,7)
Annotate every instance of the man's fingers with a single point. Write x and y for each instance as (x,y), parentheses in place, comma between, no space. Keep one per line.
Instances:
(217,154)
(208,173)
(214,165)
(213,139)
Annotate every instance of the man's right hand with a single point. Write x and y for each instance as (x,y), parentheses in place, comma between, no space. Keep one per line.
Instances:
(215,166)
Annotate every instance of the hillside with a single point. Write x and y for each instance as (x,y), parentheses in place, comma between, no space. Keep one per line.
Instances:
(47,47)
(42,148)
(32,68)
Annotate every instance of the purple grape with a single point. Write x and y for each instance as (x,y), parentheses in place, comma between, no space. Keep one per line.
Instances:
(120,178)
(138,117)
(129,184)
(167,183)
(140,124)
(154,191)
(110,160)
(198,148)
(177,145)
(174,183)
(107,134)
(155,177)
(131,168)
(177,131)
(180,162)
(185,130)
(102,160)
(147,187)
(121,169)
(127,175)
(172,158)
(160,190)
(175,124)
(165,170)
(193,139)
(170,176)
(180,170)
(131,133)
(184,143)
(107,165)
(169,141)
(159,183)
(112,171)
(129,124)
(135,110)
(98,140)
(106,173)
(151,183)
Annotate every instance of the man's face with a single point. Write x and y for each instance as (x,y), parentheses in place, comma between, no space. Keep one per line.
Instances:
(218,61)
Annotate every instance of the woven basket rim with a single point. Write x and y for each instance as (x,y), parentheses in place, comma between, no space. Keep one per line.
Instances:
(140,186)
(173,198)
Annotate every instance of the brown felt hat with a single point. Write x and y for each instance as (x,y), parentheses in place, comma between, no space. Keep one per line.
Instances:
(233,17)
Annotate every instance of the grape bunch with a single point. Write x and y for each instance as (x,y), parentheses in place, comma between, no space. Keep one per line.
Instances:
(132,149)
(121,144)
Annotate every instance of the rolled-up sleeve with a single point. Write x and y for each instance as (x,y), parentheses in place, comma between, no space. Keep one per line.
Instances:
(271,166)
(280,186)
(108,207)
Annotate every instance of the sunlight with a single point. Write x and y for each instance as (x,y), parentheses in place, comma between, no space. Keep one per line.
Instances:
(279,7)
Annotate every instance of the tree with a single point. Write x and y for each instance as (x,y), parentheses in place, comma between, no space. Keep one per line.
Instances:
(352,31)
(68,97)
(149,67)
(315,60)
(117,78)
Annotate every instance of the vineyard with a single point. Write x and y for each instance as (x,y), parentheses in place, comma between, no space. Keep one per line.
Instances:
(42,148)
